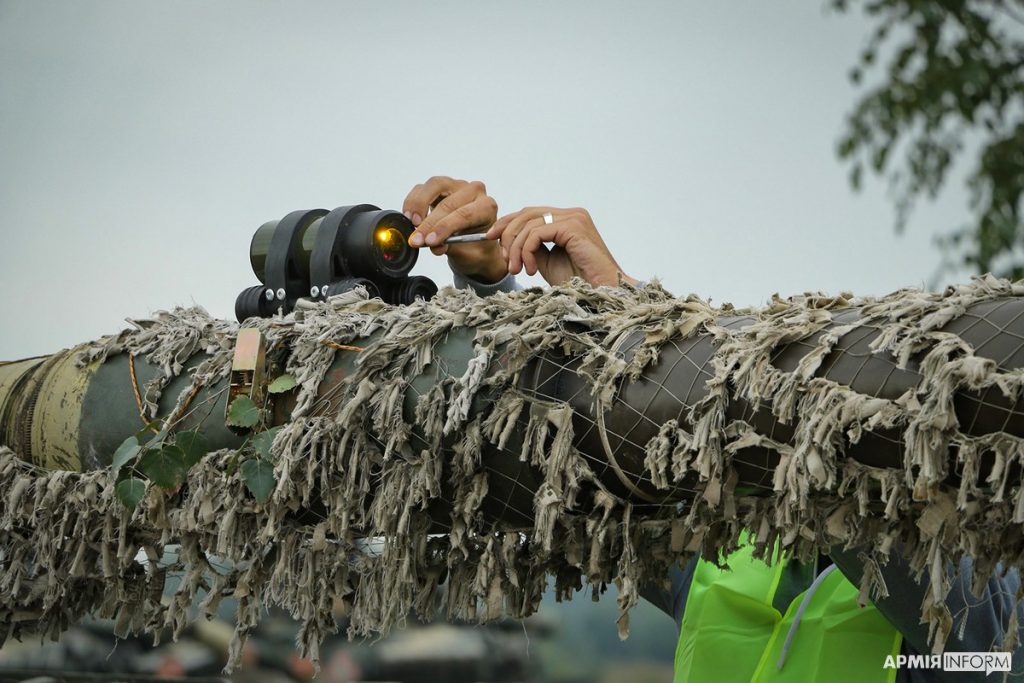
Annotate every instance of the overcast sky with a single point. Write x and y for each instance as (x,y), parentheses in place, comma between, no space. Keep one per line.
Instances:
(141,143)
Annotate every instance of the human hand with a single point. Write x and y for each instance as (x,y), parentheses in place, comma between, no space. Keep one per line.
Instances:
(579,250)
(442,207)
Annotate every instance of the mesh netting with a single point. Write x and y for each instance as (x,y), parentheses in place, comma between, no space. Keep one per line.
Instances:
(589,435)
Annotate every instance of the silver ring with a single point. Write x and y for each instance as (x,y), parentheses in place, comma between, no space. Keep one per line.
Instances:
(548,218)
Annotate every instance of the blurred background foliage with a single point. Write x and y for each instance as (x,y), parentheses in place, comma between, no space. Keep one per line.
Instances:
(943,81)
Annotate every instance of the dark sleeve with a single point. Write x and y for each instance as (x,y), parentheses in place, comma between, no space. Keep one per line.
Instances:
(506,284)
(671,598)
(979,623)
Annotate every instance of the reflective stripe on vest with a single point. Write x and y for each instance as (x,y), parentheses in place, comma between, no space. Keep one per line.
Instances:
(732,632)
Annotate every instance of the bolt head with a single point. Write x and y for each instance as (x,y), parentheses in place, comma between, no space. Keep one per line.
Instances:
(280,294)
(269,295)
(314,291)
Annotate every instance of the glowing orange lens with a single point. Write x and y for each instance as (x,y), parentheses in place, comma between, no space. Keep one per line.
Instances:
(390,243)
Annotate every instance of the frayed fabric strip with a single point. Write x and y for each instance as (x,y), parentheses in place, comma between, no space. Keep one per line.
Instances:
(409,466)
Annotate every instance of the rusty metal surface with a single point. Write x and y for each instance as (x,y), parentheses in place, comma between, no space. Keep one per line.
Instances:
(248,368)
(41,408)
(16,381)
(57,412)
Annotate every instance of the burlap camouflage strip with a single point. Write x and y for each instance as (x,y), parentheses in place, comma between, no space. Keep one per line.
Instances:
(70,547)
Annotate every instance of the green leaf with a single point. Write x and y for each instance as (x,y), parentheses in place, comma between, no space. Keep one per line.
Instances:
(856,173)
(130,492)
(261,442)
(154,433)
(164,467)
(282,384)
(193,444)
(152,427)
(258,476)
(243,413)
(125,453)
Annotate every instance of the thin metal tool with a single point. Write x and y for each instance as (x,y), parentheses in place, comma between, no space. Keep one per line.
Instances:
(462,239)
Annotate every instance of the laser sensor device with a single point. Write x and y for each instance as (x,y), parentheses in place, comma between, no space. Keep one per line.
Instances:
(317,253)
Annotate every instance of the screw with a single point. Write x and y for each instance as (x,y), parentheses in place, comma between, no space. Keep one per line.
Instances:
(269,294)
(314,292)
(280,294)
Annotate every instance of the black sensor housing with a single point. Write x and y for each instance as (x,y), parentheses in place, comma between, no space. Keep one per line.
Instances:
(318,253)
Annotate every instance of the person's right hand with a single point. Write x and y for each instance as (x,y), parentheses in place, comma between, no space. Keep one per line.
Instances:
(442,207)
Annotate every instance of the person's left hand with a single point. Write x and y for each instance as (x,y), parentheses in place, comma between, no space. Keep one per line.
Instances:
(578,249)
(442,207)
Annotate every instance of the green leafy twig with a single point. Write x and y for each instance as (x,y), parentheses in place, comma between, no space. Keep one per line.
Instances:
(159,461)
(254,457)
(165,462)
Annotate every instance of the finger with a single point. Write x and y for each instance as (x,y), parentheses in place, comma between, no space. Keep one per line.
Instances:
(517,224)
(476,214)
(516,217)
(463,195)
(516,241)
(502,223)
(419,200)
(535,253)
(509,235)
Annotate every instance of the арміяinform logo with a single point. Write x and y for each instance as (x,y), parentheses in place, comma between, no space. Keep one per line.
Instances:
(952,661)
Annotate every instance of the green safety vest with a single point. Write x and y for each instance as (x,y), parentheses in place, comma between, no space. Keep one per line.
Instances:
(732,632)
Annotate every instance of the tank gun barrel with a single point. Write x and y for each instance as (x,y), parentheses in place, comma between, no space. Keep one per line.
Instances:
(355,453)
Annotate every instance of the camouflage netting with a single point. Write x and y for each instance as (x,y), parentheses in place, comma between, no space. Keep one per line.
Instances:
(70,547)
